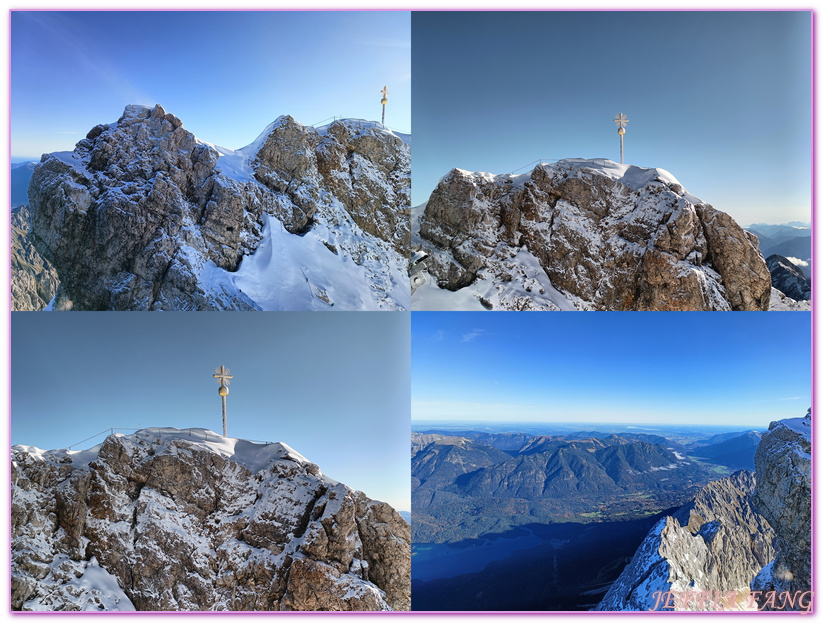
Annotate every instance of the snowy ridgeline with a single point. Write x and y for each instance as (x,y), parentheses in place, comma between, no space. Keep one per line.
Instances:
(583,235)
(303,218)
(253,456)
(168,519)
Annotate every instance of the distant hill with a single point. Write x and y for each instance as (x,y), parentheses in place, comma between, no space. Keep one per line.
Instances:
(792,240)
(20,177)
(735,451)
(550,478)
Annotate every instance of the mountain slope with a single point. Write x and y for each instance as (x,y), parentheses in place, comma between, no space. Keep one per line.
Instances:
(189,520)
(586,234)
(142,215)
(784,497)
(462,489)
(33,280)
(20,178)
(717,542)
(735,452)
(750,545)
(788,278)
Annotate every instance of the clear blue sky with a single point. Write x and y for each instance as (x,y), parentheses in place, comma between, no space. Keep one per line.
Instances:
(729,369)
(722,100)
(226,75)
(335,387)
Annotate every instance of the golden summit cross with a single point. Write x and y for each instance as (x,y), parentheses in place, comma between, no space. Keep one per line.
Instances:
(621,120)
(222,373)
(222,376)
(383,101)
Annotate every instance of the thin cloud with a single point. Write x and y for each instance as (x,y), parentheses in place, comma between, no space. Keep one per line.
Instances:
(439,336)
(797,261)
(468,337)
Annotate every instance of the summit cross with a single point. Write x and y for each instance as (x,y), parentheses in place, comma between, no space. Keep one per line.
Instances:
(222,373)
(621,120)
(222,376)
(385,92)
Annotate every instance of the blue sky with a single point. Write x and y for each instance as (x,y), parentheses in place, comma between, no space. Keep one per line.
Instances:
(729,369)
(226,75)
(722,100)
(335,387)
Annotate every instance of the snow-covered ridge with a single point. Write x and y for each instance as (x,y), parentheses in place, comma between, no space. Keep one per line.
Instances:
(168,519)
(583,234)
(629,175)
(237,163)
(253,456)
(144,216)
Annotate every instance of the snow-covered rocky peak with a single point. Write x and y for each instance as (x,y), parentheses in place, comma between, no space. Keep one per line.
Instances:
(143,215)
(586,234)
(788,278)
(783,465)
(715,544)
(745,546)
(167,519)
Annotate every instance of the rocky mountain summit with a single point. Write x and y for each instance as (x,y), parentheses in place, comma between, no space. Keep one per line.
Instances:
(788,278)
(144,216)
(783,496)
(587,234)
(168,519)
(734,538)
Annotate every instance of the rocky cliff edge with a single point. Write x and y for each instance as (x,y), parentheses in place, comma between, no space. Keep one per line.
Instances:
(168,519)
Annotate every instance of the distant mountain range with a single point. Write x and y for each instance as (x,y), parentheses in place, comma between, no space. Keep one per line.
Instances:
(792,240)
(567,511)
(20,178)
(586,476)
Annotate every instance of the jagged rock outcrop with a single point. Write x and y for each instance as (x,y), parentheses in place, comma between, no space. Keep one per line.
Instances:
(783,496)
(188,520)
(33,279)
(788,278)
(591,233)
(143,216)
(716,543)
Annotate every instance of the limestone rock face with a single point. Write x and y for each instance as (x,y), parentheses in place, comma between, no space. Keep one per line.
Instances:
(783,496)
(34,281)
(604,236)
(143,216)
(717,542)
(187,520)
